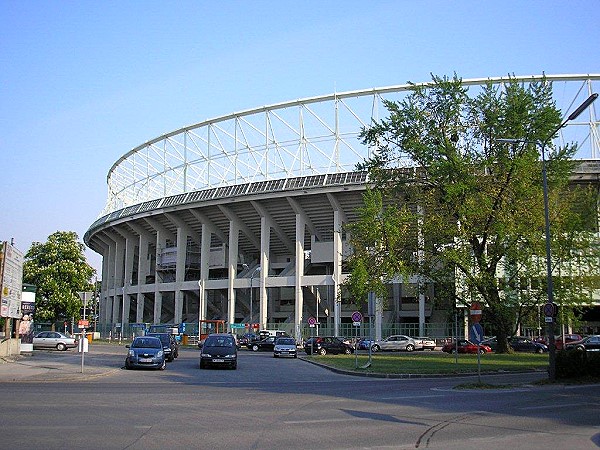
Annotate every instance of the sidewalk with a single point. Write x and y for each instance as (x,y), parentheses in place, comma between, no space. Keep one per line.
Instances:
(50,366)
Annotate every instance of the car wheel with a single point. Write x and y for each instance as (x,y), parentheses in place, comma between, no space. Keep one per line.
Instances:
(580,348)
(539,350)
(453,351)
(60,346)
(295,356)
(348,351)
(375,348)
(202,365)
(482,351)
(163,366)
(322,352)
(410,348)
(255,348)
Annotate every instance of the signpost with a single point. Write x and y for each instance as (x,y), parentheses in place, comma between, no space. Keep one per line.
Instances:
(476,333)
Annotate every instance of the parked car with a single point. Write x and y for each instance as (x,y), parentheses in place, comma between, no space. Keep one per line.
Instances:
(246,339)
(396,342)
(364,343)
(219,349)
(266,344)
(285,346)
(558,340)
(54,339)
(170,345)
(522,344)
(589,344)
(327,344)
(145,352)
(426,342)
(465,346)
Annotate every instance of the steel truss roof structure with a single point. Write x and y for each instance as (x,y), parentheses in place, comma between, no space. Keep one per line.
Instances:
(301,138)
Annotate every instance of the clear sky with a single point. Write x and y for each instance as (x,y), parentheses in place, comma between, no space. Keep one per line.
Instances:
(83,82)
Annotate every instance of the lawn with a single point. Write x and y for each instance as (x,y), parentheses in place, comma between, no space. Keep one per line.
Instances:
(433,362)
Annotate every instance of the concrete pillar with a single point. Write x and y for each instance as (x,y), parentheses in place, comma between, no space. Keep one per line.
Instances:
(299,255)
(234,232)
(265,242)
(337,270)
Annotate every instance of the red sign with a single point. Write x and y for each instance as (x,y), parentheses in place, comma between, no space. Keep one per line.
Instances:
(475,312)
(83,323)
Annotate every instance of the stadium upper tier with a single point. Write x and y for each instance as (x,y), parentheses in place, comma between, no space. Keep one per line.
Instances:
(301,138)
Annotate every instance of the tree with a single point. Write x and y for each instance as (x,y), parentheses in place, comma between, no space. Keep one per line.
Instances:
(59,270)
(467,211)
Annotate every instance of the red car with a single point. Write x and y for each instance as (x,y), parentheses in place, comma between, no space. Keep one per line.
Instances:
(558,340)
(465,346)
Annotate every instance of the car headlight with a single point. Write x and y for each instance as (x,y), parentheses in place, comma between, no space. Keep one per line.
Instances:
(205,355)
(229,356)
(159,354)
(131,353)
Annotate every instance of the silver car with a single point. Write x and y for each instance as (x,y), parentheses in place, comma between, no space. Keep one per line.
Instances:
(427,343)
(397,342)
(54,339)
(285,346)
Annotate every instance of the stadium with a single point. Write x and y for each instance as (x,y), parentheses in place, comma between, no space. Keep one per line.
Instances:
(240,219)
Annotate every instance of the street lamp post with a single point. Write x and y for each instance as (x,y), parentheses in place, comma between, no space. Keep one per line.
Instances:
(549,281)
(251,286)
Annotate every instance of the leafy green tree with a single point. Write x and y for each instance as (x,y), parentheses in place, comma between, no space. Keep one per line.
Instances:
(468,210)
(60,270)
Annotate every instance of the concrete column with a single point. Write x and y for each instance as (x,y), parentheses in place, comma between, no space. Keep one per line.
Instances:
(129,257)
(143,259)
(139,312)
(204,266)
(299,255)
(182,237)
(337,270)
(265,242)
(157,306)
(234,232)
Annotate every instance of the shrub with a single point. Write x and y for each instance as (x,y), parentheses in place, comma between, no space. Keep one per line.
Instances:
(576,364)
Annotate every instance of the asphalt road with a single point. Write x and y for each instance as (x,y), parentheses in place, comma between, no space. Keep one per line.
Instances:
(281,404)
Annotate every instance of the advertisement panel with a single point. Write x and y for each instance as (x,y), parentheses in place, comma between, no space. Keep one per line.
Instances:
(11,281)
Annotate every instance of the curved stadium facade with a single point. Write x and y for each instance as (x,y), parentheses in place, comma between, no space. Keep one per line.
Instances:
(241,218)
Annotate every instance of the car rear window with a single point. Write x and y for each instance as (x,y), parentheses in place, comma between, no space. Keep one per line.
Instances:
(286,341)
(218,341)
(147,343)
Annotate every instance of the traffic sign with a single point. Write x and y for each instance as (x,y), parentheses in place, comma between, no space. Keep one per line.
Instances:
(312,321)
(475,312)
(550,309)
(476,333)
(357,316)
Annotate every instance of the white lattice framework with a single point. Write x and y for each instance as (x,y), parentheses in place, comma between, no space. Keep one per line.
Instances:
(311,136)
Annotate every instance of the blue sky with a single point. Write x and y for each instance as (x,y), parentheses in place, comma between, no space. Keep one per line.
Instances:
(83,82)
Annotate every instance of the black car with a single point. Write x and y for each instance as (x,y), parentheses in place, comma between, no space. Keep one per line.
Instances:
(170,345)
(521,344)
(219,350)
(267,344)
(589,344)
(326,344)
(247,338)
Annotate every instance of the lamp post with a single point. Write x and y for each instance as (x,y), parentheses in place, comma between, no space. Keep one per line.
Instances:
(549,282)
(251,286)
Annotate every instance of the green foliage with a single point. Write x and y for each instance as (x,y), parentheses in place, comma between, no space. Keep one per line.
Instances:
(59,270)
(471,210)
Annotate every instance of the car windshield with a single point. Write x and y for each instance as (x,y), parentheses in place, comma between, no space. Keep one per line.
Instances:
(286,341)
(146,343)
(224,341)
(164,338)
